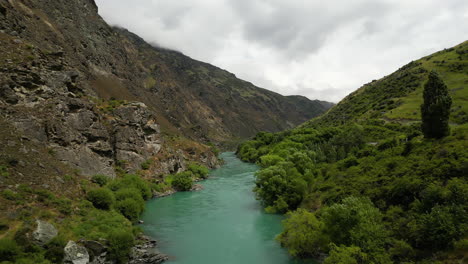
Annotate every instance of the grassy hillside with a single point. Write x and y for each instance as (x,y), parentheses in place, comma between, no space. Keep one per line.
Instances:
(398,96)
(361,184)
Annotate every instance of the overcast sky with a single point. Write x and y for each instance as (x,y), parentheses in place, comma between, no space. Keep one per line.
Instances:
(319,49)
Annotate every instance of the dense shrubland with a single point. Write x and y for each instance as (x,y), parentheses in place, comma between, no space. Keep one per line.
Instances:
(368,192)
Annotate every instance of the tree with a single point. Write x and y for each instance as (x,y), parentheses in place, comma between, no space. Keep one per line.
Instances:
(435,111)
(302,234)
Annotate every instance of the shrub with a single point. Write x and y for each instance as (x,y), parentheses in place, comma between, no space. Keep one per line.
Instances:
(356,222)
(10,195)
(55,250)
(101,198)
(146,165)
(280,187)
(4,171)
(120,243)
(183,181)
(130,208)
(130,192)
(132,181)
(199,171)
(9,250)
(100,179)
(137,204)
(64,206)
(302,234)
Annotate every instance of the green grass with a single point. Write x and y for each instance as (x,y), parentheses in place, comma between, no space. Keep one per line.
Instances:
(453,68)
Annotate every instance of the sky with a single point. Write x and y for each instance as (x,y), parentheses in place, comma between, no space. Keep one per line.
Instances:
(319,49)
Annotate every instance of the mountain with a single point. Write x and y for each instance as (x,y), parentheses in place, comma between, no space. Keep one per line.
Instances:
(213,104)
(192,98)
(362,183)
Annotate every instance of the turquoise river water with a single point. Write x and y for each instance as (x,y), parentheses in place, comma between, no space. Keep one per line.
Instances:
(222,224)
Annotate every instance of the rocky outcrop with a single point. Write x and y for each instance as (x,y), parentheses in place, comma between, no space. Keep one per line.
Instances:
(135,134)
(44,233)
(75,254)
(146,252)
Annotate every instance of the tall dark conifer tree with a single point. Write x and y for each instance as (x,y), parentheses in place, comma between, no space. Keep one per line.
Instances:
(435,111)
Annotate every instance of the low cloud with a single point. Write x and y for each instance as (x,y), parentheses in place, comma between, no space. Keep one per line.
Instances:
(319,49)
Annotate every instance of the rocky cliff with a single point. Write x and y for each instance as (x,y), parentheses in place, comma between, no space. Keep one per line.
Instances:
(100,97)
(189,97)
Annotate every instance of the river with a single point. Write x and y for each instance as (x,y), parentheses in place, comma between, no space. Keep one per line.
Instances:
(222,224)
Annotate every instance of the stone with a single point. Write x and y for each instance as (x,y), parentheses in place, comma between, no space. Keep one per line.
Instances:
(96,250)
(75,254)
(44,233)
(59,179)
(146,252)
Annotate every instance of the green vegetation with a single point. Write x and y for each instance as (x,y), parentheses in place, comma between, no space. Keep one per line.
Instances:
(101,180)
(110,208)
(4,171)
(120,244)
(398,96)
(9,250)
(101,198)
(199,171)
(368,191)
(183,181)
(146,165)
(435,111)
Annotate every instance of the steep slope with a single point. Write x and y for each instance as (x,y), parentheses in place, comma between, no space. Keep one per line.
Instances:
(213,104)
(189,97)
(362,183)
(398,96)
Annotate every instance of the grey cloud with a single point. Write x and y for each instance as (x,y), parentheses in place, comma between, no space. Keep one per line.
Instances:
(320,49)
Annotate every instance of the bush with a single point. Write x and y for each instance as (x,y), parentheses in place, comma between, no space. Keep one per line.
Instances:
(302,234)
(130,208)
(280,187)
(130,192)
(55,250)
(146,165)
(132,181)
(120,243)
(10,195)
(183,181)
(9,250)
(198,170)
(356,222)
(101,198)
(100,179)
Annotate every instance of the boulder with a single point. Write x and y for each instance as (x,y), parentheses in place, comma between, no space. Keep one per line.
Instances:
(44,233)
(75,254)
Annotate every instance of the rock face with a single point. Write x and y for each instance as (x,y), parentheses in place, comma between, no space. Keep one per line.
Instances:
(90,134)
(75,254)
(44,233)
